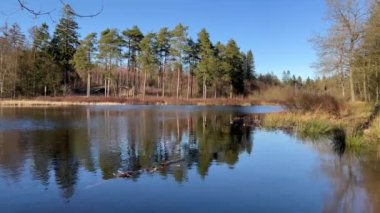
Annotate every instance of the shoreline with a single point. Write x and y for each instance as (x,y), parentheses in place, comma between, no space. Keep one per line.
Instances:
(357,124)
(114,101)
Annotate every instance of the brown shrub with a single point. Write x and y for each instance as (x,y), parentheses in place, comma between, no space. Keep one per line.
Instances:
(314,103)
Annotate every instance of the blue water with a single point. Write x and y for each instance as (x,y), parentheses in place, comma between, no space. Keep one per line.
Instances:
(65,160)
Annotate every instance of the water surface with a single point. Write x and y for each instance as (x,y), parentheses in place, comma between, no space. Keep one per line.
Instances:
(65,160)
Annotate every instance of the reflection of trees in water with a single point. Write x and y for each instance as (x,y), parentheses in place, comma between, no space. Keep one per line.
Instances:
(112,140)
(13,152)
(346,180)
(353,176)
(220,141)
(59,150)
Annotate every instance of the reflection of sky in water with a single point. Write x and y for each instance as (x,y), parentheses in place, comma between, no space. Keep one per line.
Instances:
(190,108)
(32,124)
(25,125)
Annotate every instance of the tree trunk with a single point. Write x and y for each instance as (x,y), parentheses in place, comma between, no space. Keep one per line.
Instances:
(215,91)
(351,71)
(105,86)
(191,86)
(163,81)
(342,84)
(118,83)
(171,85)
(126,82)
(134,82)
(204,87)
(144,85)
(352,89)
(2,75)
(377,89)
(188,87)
(231,89)
(1,88)
(159,80)
(108,86)
(88,83)
(178,76)
(365,88)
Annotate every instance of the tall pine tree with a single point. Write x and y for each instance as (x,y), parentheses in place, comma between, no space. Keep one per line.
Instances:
(83,59)
(235,67)
(64,43)
(207,64)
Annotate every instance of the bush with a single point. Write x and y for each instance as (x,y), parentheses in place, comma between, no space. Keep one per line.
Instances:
(314,103)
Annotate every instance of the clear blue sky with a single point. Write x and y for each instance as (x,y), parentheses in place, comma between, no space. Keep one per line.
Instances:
(277,31)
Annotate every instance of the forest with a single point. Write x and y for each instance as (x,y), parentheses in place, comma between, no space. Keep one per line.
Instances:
(169,63)
(348,53)
(124,63)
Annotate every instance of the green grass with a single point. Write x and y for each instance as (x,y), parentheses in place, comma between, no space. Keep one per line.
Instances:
(355,142)
(316,126)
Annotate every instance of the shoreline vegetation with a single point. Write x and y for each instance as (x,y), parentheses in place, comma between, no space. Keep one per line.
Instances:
(325,117)
(83,101)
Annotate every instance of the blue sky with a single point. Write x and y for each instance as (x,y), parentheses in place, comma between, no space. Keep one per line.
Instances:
(277,31)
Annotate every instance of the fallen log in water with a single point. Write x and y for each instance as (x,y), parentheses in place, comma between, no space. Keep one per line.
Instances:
(153,169)
(127,174)
(168,163)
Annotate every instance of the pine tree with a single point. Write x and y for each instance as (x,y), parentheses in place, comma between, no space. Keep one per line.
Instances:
(133,38)
(46,76)
(177,51)
(191,58)
(83,59)
(249,66)
(110,52)
(147,57)
(64,43)
(235,63)
(163,49)
(207,64)
(221,76)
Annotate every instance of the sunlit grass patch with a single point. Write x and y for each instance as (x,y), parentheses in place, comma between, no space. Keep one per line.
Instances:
(314,128)
(373,133)
(355,141)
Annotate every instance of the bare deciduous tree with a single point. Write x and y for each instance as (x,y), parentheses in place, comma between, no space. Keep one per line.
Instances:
(337,48)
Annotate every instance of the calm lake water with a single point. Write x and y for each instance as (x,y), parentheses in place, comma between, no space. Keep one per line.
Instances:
(64,160)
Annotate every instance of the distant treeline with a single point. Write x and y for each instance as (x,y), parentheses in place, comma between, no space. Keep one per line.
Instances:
(124,63)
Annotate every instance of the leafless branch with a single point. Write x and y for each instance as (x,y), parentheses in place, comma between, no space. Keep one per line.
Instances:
(33,12)
(85,16)
(37,13)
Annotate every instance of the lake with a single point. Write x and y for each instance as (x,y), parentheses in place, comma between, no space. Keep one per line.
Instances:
(178,159)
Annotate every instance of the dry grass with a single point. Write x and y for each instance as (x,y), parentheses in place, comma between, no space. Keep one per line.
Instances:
(277,93)
(98,100)
(313,124)
(305,102)
(373,133)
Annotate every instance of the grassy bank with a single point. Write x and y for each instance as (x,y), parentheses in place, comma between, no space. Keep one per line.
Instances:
(80,100)
(315,124)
